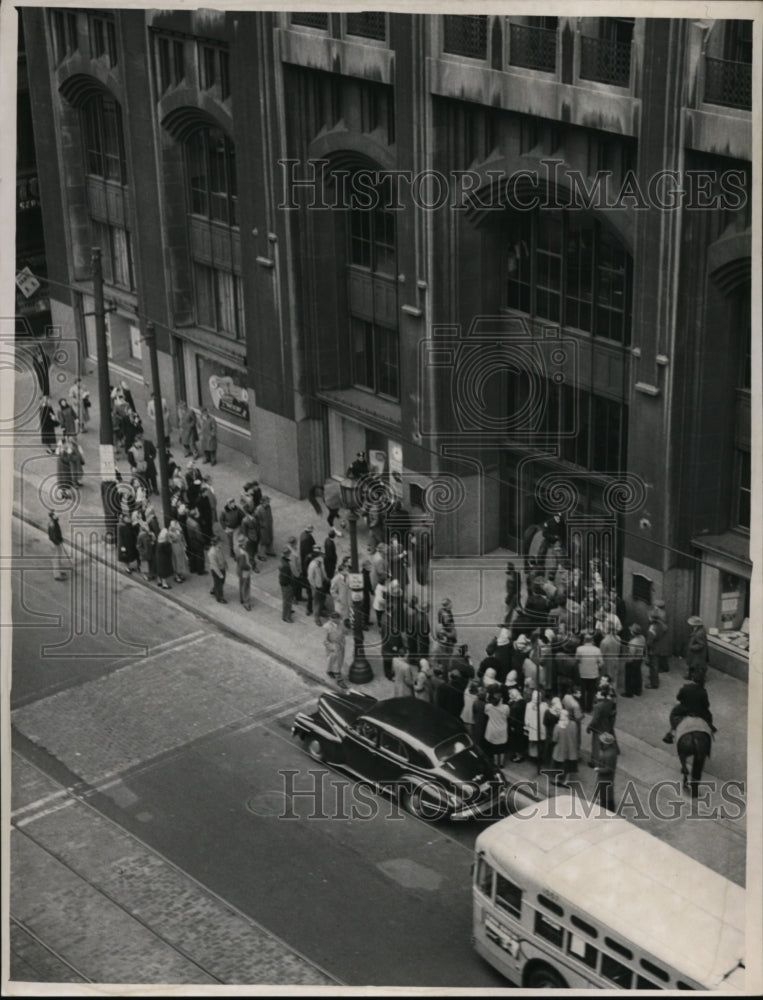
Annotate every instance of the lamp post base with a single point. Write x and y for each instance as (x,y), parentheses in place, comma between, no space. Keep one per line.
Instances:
(360,671)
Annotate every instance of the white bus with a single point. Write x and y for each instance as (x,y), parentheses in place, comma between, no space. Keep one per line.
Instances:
(567,894)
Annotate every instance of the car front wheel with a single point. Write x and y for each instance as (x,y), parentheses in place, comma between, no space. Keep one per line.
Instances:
(426,804)
(315,748)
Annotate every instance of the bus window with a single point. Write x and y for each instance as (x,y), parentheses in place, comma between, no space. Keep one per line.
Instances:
(615,971)
(616,946)
(655,970)
(581,949)
(645,984)
(683,986)
(582,925)
(550,905)
(552,932)
(508,896)
(484,879)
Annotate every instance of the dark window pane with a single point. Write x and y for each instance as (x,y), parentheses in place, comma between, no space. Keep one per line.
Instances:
(549,930)
(205,296)
(744,489)
(362,344)
(616,972)
(386,361)
(484,879)
(224,75)
(508,896)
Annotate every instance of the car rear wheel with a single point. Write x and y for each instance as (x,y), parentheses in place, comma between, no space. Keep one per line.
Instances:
(314,746)
(424,807)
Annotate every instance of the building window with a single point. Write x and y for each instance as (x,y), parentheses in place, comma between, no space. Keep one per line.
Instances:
(211,172)
(104,139)
(170,63)
(103,38)
(116,253)
(375,357)
(372,240)
(533,44)
(743,490)
(219,302)
(728,81)
(607,58)
(570,270)
(214,70)
(64,25)
(465,35)
(307,20)
(369,24)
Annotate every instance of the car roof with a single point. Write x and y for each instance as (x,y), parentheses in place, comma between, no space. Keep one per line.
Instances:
(415,718)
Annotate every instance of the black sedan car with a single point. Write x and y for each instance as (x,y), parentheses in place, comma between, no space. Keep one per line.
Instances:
(407,748)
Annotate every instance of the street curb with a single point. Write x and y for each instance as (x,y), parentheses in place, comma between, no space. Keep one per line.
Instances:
(200,612)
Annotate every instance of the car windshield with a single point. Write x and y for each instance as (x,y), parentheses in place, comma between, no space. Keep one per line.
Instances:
(452,746)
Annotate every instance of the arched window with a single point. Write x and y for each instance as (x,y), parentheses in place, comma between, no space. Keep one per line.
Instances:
(106,166)
(211,166)
(372,294)
(104,138)
(567,268)
(210,159)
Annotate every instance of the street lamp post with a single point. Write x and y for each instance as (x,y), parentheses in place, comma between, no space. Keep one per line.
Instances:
(108,472)
(360,671)
(161,451)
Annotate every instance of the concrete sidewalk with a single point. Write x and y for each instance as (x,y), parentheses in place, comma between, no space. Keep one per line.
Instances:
(476,586)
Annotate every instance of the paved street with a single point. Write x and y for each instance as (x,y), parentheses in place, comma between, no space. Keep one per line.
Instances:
(147,797)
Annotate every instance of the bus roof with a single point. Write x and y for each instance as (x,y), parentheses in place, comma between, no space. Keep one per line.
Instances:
(640,888)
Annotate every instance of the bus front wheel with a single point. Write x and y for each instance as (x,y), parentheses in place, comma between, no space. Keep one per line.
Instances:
(543,977)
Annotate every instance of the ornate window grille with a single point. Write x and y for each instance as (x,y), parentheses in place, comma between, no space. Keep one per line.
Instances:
(466,35)
(605,60)
(369,24)
(308,20)
(728,83)
(532,47)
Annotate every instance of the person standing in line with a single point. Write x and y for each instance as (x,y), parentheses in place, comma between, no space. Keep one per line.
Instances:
(611,648)
(196,543)
(286,583)
(590,663)
(146,544)
(128,396)
(306,550)
(80,403)
(316,577)
(180,565)
(658,643)
(48,424)
(128,550)
(149,456)
(404,674)
(164,559)
(217,567)
(636,651)
(334,644)
(602,721)
(165,414)
(332,497)
(296,569)
(496,735)
(606,767)
(231,519)
(244,570)
(422,685)
(565,752)
(330,557)
(56,537)
(208,436)
(264,515)
(340,589)
(189,430)
(696,655)
(67,419)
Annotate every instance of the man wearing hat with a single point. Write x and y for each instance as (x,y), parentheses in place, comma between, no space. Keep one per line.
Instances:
(334,643)
(306,546)
(316,577)
(57,539)
(606,767)
(634,653)
(590,662)
(696,654)
(657,644)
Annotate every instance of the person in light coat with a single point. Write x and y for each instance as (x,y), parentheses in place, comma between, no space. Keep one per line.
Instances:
(565,752)
(179,557)
(535,711)
(208,436)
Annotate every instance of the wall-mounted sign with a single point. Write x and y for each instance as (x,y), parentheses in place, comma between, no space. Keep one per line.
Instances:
(222,389)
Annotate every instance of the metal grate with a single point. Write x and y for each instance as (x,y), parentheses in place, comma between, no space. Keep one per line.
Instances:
(605,60)
(466,35)
(369,24)
(728,83)
(642,588)
(533,48)
(311,20)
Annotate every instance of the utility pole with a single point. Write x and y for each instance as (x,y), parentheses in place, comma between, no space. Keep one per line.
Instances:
(149,339)
(109,496)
